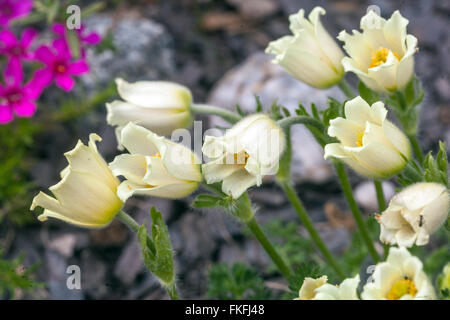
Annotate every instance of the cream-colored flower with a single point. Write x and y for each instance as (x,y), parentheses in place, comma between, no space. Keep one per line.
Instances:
(86,195)
(311,55)
(400,277)
(247,152)
(155,166)
(382,56)
(319,289)
(414,214)
(369,143)
(444,279)
(158,106)
(309,286)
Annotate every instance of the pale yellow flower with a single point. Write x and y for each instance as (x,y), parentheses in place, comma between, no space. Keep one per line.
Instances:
(311,55)
(86,195)
(382,56)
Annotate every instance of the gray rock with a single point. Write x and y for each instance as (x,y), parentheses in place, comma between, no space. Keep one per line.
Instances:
(366,196)
(258,76)
(256,9)
(142,50)
(93,275)
(130,263)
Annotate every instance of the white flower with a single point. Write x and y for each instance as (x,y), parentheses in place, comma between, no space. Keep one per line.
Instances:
(400,277)
(383,54)
(155,166)
(369,143)
(414,214)
(319,289)
(158,106)
(246,153)
(86,195)
(311,55)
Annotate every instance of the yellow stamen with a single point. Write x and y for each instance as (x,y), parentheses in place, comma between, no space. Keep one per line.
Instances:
(158,155)
(402,287)
(238,158)
(359,139)
(380,56)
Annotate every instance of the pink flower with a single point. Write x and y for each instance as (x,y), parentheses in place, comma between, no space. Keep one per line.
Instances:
(13,9)
(59,65)
(84,37)
(17,49)
(16,98)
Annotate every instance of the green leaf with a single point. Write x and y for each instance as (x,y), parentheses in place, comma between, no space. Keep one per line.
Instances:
(259,107)
(157,251)
(240,111)
(237,282)
(305,269)
(203,201)
(74,43)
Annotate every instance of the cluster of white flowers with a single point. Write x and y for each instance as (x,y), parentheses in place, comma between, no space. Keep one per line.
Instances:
(90,194)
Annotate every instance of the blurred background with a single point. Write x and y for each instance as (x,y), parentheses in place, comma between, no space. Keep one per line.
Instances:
(216,48)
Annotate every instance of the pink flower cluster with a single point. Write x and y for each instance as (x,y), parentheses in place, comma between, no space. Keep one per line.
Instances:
(18,96)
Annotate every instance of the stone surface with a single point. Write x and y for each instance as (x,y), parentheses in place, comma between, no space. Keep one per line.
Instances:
(258,76)
(366,196)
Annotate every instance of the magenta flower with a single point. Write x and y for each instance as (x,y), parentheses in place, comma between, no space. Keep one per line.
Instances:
(17,49)
(13,9)
(92,38)
(59,66)
(16,98)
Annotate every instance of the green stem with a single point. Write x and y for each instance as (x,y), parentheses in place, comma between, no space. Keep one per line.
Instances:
(134,226)
(229,116)
(268,247)
(304,218)
(126,219)
(380,196)
(381,207)
(348,193)
(290,121)
(172,291)
(416,148)
(344,86)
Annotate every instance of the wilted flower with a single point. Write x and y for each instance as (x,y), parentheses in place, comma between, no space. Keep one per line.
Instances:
(319,289)
(400,277)
(414,214)
(155,166)
(246,153)
(156,105)
(310,54)
(86,195)
(15,97)
(14,9)
(17,49)
(369,143)
(59,65)
(383,55)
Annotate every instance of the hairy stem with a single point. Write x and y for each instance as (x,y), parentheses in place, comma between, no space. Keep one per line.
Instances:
(304,218)
(228,116)
(348,193)
(345,88)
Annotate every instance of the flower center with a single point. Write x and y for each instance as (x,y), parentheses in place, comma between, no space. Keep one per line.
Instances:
(13,96)
(241,158)
(17,51)
(6,9)
(402,287)
(60,67)
(380,56)
(359,139)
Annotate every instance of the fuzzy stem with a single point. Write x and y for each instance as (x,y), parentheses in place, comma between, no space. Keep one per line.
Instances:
(228,116)
(416,148)
(381,207)
(268,247)
(348,193)
(304,218)
(345,88)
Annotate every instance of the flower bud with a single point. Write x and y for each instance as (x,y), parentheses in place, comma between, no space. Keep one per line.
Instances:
(369,143)
(311,55)
(86,195)
(246,153)
(414,214)
(382,56)
(400,277)
(155,166)
(158,106)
